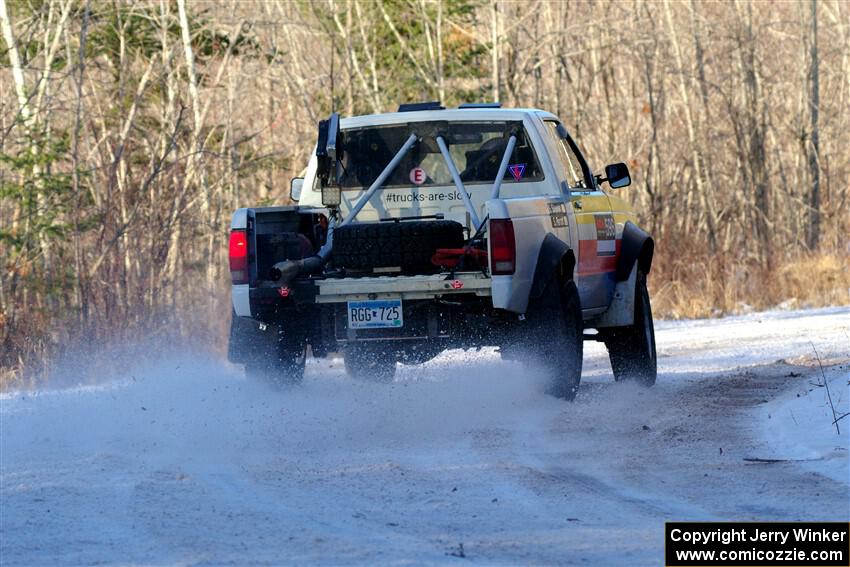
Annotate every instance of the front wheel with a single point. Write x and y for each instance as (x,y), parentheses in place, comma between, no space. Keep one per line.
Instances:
(631,349)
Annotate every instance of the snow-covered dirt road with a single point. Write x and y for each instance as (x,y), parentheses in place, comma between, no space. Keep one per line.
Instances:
(180,460)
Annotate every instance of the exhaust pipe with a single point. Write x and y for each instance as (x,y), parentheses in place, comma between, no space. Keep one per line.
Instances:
(286,271)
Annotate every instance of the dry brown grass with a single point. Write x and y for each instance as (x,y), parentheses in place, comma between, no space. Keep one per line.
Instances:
(68,351)
(688,286)
(713,286)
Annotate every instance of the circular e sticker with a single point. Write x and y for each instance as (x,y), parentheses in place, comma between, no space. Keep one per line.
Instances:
(418,175)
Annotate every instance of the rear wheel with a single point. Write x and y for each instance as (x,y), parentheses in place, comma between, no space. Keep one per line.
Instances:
(555,337)
(370,363)
(631,349)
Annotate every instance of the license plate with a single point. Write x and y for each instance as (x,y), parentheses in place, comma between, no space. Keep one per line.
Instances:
(376,314)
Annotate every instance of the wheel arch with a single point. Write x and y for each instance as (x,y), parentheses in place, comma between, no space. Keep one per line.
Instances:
(555,258)
(637,246)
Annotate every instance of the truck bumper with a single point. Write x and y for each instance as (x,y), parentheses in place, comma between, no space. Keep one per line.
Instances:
(455,311)
(435,286)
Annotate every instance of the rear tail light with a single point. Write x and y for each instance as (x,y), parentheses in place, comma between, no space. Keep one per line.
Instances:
(239,256)
(502,247)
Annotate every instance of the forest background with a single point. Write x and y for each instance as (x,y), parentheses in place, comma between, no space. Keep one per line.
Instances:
(129,131)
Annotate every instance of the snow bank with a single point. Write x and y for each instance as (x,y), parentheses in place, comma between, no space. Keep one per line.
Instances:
(798,425)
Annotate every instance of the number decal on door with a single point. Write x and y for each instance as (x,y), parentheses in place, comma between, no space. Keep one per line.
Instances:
(606,235)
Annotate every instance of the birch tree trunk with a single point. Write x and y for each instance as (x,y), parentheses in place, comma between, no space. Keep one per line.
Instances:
(15,62)
(813,236)
(692,126)
(196,162)
(495,34)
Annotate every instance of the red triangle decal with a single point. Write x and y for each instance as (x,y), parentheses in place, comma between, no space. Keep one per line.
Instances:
(517,170)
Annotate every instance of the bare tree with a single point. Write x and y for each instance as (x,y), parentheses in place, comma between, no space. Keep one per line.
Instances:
(130,130)
(813,236)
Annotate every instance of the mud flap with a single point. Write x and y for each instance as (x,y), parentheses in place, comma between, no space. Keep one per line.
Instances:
(621,312)
(250,340)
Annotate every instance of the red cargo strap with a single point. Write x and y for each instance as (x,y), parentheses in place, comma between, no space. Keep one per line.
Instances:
(451,257)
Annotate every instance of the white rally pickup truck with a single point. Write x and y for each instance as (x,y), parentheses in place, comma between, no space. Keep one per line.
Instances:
(429,229)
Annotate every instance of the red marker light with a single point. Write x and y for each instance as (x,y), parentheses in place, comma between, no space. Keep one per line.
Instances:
(284,291)
(238,256)
(457,284)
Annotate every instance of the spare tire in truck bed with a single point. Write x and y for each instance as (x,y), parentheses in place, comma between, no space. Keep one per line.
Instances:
(406,244)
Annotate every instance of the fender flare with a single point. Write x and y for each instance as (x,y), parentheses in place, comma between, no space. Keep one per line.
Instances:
(637,246)
(554,254)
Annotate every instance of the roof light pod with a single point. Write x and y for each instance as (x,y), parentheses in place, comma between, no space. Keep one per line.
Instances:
(481,105)
(416,106)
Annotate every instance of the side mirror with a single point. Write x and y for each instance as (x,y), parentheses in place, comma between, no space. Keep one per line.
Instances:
(617,175)
(295,186)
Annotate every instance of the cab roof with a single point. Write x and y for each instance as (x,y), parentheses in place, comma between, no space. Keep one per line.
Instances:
(451,115)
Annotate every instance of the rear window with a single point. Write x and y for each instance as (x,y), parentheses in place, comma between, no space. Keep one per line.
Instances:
(476,148)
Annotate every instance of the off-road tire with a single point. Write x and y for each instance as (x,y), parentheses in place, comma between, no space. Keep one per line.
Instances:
(631,349)
(555,337)
(280,365)
(370,363)
(408,244)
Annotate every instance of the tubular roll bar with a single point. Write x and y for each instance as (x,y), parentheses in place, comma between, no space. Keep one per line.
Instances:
(326,249)
(447,157)
(380,180)
(450,163)
(506,157)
